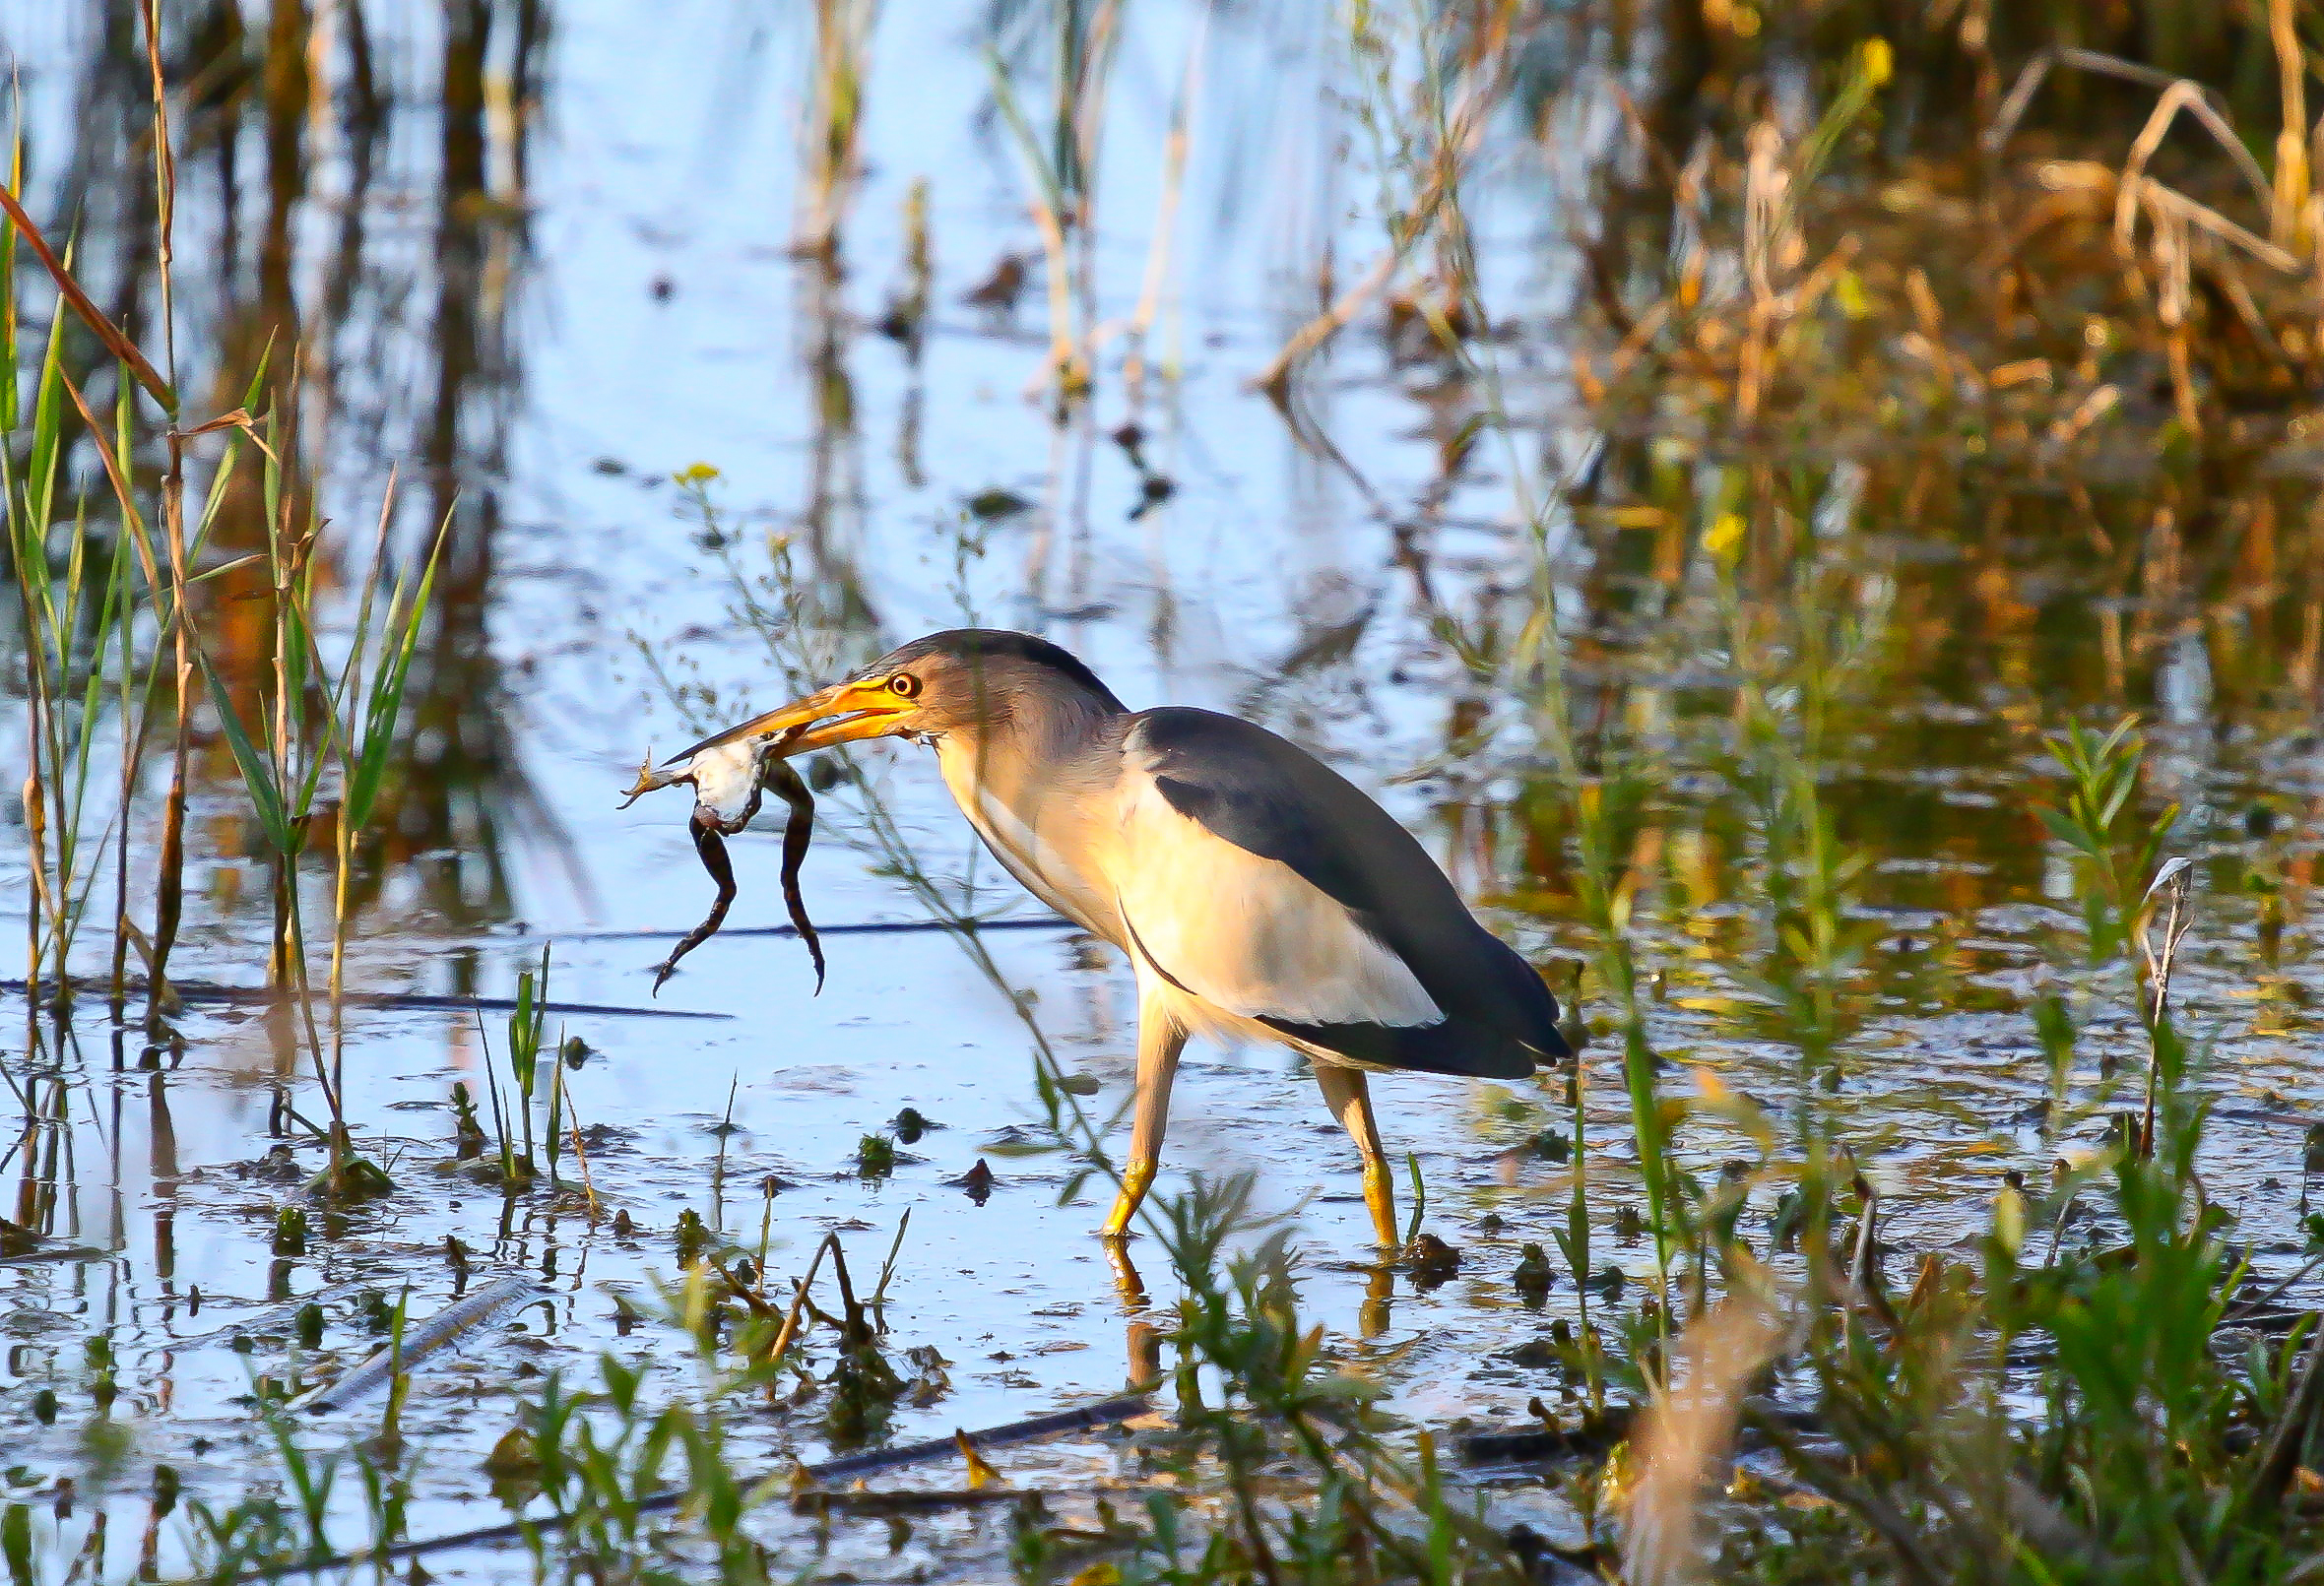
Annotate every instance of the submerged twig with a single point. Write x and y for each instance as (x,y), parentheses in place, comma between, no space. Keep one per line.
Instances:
(1106,1413)
(266,996)
(965,924)
(446,1325)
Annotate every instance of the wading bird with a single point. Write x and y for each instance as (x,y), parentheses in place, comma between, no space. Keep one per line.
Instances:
(1256,893)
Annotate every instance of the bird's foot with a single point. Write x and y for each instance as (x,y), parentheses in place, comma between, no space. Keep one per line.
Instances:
(1137,1179)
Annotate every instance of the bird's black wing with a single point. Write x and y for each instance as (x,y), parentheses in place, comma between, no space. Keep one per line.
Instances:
(1270,798)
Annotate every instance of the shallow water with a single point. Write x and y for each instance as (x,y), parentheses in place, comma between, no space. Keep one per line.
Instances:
(621,301)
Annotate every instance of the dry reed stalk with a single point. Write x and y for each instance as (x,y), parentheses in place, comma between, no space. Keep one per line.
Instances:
(1174,171)
(1770,241)
(37,841)
(2202,103)
(1463,128)
(2168,249)
(71,295)
(2133,186)
(1688,1432)
(170,899)
(581,1154)
(799,1301)
(843,31)
(2287,215)
(2172,202)
(1065,364)
(81,305)
(1082,114)
(133,720)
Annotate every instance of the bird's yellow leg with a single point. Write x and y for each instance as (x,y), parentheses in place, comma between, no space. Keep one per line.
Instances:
(1137,1178)
(1379,1198)
(1160,1039)
(1350,1099)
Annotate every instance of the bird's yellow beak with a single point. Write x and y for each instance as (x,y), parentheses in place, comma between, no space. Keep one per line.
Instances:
(840,714)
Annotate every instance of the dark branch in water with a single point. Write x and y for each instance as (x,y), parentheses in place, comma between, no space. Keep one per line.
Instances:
(263,996)
(869,927)
(454,1321)
(1107,1413)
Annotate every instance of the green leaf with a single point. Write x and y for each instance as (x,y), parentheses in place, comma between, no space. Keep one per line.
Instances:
(2064,830)
(257,777)
(16,1543)
(47,419)
(1022,1147)
(385,696)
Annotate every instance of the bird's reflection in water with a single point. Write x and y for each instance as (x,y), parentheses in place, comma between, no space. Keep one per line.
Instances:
(1145,1354)
(1380,1287)
(1143,1346)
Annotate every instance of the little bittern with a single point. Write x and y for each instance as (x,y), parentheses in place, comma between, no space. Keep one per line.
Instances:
(1256,893)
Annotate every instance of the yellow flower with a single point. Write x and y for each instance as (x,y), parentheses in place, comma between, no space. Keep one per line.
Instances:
(1724,537)
(1879,61)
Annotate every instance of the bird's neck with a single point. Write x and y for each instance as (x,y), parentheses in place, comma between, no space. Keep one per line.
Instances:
(1041,797)
(1021,749)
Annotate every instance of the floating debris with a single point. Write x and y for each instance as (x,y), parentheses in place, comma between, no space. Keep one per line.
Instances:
(1431,1259)
(457,1320)
(875,1157)
(467,1133)
(1533,1275)
(996,502)
(728,782)
(977,1182)
(290,1231)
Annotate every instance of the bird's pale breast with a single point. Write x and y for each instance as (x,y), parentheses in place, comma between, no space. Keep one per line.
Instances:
(1047,834)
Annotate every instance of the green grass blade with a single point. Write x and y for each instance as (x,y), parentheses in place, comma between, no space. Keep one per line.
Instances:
(385,702)
(257,777)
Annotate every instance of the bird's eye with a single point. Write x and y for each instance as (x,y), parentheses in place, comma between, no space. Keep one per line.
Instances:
(903,685)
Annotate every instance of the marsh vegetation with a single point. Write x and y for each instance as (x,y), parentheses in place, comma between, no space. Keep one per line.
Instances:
(1811,511)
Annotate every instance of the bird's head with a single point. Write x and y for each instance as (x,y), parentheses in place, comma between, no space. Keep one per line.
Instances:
(959,681)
